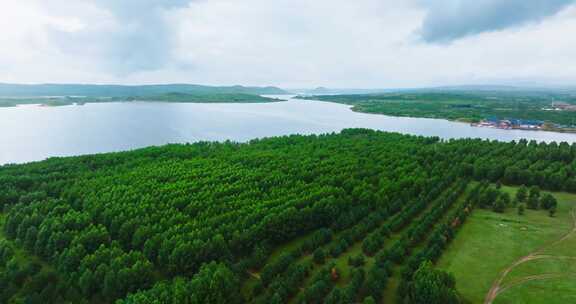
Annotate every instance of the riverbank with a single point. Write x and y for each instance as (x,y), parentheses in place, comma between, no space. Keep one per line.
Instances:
(517,124)
(473,123)
(119,126)
(515,112)
(168,98)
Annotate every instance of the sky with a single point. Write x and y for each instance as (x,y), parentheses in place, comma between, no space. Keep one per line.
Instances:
(289,43)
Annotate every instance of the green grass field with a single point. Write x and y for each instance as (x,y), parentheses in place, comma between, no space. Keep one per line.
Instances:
(490,242)
(553,291)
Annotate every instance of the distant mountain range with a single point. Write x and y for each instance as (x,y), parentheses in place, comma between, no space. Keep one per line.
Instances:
(332,91)
(91,90)
(502,88)
(460,88)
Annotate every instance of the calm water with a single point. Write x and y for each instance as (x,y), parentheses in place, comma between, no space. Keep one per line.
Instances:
(29,133)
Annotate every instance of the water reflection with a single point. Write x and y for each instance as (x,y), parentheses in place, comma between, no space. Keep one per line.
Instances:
(30,133)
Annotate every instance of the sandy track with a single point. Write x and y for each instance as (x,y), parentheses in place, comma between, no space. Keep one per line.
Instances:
(497,287)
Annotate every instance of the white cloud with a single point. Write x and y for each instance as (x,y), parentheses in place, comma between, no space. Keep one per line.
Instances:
(338,43)
(449,20)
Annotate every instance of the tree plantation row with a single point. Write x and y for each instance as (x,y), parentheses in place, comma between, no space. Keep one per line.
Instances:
(296,219)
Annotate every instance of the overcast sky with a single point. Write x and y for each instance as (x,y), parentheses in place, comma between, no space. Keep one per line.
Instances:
(289,43)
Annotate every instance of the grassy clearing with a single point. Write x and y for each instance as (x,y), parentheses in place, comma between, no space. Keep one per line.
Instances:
(566,248)
(489,242)
(552,291)
(541,266)
(392,286)
(345,270)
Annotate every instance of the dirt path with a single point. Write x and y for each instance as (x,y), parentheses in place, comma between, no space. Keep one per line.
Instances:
(497,287)
(538,277)
(254,274)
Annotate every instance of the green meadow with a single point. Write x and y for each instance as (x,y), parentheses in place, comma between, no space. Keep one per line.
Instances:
(491,242)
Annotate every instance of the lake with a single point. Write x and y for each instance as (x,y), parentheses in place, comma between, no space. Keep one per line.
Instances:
(31,132)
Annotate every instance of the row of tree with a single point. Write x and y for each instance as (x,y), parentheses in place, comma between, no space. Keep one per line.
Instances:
(420,282)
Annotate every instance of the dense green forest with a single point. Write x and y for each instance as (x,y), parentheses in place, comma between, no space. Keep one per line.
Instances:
(470,106)
(359,216)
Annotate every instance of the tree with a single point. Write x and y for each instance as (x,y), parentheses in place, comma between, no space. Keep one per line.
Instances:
(30,238)
(515,203)
(369,300)
(535,191)
(506,199)
(522,193)
(499,206)
(356,261)
(548,201)
(432,286)
(276,299)
(110,288)
(521,209)
(86,283)
(376,280)
(71,258)
(6,252)
(181,257)
(334,297)
(319,256)
(488,197)
(215,283)
(533,202)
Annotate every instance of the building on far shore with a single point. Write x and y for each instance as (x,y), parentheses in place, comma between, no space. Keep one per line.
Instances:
(510,124)
(562,106)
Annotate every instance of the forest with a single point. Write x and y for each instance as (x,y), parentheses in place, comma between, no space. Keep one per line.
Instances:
(12,95)
(468,106)
(359,216)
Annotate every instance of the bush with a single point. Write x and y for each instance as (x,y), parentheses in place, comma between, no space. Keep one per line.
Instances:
(521,209)
(319,256)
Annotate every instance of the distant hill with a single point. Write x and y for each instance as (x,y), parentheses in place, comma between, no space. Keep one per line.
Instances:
(461,88)
(331,91)
(498,88)
(531,87)
(202,98)
(90,90)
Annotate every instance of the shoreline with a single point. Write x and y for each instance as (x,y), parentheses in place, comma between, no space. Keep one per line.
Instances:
(466,121)
(272,100)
